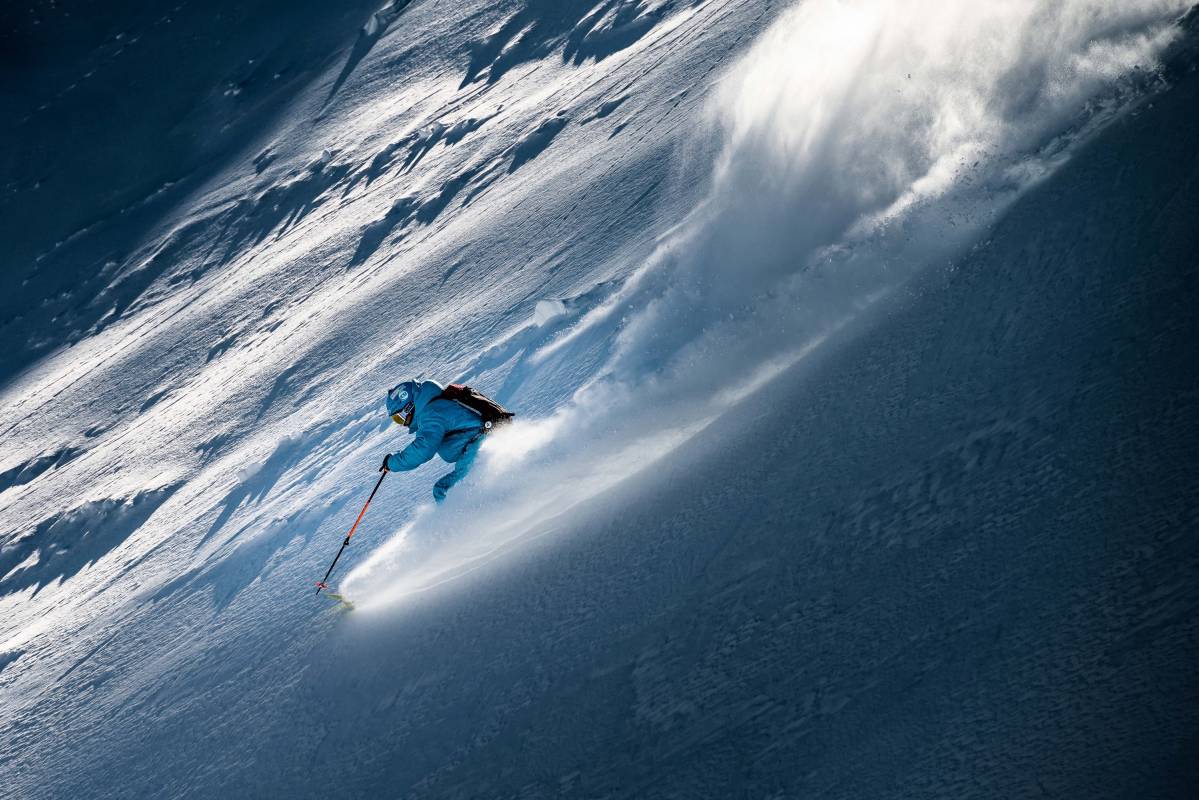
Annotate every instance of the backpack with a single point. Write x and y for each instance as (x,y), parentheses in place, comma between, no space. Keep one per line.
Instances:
(493,413)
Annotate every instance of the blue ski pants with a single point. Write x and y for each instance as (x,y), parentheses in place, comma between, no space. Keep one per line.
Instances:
(461,467)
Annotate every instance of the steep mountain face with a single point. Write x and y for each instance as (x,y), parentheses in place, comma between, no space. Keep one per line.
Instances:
(852,349)
(113,115)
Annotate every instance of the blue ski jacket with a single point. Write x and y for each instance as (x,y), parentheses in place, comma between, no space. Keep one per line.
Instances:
(441,427)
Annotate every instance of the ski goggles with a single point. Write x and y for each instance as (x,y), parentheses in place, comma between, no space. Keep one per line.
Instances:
(404,415)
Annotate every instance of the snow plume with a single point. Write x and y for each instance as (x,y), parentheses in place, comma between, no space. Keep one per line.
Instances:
(862,141)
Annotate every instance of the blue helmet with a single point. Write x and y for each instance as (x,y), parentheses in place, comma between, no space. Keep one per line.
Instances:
(401,402)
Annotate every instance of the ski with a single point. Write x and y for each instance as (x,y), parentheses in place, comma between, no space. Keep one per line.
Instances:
(342,600)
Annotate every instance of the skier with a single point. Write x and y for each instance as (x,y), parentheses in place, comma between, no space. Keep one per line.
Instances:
(450,422)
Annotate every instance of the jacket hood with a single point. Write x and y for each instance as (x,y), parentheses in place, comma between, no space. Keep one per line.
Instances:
(425,392)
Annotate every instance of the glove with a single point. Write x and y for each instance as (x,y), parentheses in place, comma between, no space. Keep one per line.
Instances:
(384,467)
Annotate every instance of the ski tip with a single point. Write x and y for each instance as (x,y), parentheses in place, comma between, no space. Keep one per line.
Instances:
(345,602)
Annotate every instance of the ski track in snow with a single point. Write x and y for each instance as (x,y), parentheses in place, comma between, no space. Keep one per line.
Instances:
(841,466)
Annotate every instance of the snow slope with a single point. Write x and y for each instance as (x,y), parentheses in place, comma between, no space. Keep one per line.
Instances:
(852,344)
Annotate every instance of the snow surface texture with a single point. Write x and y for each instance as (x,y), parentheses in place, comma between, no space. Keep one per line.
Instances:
(852,345)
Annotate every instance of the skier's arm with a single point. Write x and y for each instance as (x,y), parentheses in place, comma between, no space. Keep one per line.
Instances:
(420,449)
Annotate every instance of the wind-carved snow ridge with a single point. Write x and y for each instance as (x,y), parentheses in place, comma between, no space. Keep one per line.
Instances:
(863,141)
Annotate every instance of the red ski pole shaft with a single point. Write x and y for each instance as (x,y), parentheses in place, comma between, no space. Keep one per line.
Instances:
(353,528)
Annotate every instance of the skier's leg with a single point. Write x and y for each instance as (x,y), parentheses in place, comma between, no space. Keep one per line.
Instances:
(461,467)
(443,485)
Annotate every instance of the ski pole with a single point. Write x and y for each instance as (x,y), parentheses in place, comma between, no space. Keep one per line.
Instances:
(321,583)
